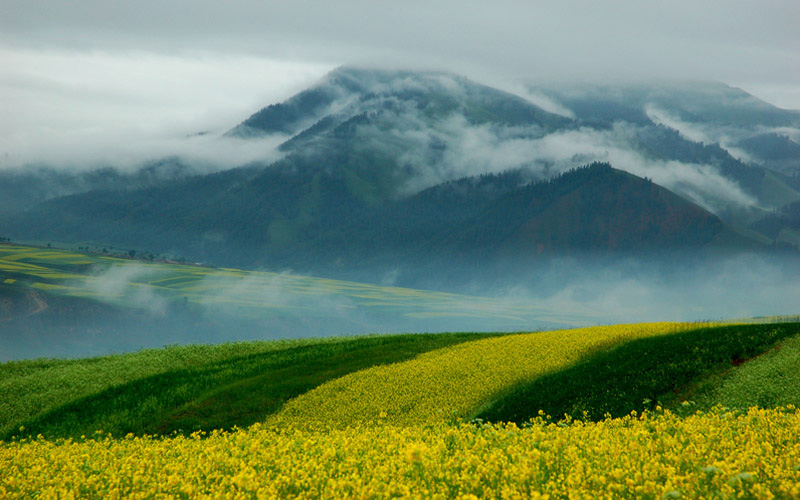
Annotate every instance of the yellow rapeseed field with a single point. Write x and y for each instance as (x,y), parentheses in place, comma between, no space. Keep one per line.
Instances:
(453,383)
(654,456)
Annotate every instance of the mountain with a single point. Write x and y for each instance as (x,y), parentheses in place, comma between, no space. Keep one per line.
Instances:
(315,222)
(433,173)
(366,95)
(783,225)
(709,125)
(415,129)
(689,102)
(396,132)
(25,187)
(778,151)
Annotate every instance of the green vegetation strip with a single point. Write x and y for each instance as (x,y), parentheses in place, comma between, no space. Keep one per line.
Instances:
(770,380)
(188,388)
(639,374)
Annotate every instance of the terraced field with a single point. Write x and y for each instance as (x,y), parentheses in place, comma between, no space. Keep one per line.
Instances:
(249,293)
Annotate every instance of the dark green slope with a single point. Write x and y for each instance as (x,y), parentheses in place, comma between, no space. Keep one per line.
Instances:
(783,225)
(595,209)
(779,152)
(499,225)
(342,220)
(217,393)
(637,375)
(26,187)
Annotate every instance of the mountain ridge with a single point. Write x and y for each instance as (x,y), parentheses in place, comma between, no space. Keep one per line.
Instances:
(388,169)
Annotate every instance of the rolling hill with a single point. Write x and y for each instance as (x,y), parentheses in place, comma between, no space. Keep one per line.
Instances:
(406,380)
(382,416)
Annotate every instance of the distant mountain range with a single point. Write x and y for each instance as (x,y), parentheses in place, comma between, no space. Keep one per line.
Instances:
(431,172)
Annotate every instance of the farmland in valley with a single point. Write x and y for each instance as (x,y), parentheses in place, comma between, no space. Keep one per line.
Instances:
(255,294)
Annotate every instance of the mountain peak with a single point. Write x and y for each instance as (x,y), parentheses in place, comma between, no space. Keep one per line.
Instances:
(348,91)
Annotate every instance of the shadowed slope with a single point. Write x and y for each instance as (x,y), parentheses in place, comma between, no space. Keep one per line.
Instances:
(636,375)
(220,393)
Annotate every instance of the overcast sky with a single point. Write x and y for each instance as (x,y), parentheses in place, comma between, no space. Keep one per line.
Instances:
(107,75)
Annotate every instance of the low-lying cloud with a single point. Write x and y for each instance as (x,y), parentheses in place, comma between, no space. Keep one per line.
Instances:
(126,285)
(644,289)
(478,149)
(79,110)
(233,306)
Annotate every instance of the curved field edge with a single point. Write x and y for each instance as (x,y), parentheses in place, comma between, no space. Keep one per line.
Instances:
(457,382)
(190,387)
(31,387)
(771,379)
(637,375)
(656,456)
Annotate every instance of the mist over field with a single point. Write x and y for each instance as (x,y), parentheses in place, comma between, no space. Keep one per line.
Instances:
(563,293)
(460,166)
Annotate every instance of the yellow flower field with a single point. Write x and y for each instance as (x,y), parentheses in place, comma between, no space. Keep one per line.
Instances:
(715,455)
(453,383)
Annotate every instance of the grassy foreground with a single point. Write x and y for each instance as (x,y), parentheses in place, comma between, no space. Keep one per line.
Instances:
(768,380)
(640,374)
(370,427)
(718,455)
(187,388)
(456,383)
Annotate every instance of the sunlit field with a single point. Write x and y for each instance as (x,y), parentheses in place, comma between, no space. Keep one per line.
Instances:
(653,456)
(425,420)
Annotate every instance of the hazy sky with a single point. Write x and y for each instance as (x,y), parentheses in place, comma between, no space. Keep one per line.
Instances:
(113,76)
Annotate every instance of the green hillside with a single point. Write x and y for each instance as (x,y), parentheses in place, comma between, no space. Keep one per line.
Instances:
(404,379)
(768,380)
(187,388)
(642,374)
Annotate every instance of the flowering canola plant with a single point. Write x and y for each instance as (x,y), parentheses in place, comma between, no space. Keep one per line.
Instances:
(453,383)
(652,456)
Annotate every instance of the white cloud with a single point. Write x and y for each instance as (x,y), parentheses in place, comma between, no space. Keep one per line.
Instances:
(78,74)
(88,109)
(479,149)
(125,285)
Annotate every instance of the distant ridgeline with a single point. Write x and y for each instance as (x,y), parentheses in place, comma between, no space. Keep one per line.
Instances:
(436,179)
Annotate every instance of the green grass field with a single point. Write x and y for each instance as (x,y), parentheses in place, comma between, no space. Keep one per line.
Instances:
(767,380)
(297,447)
